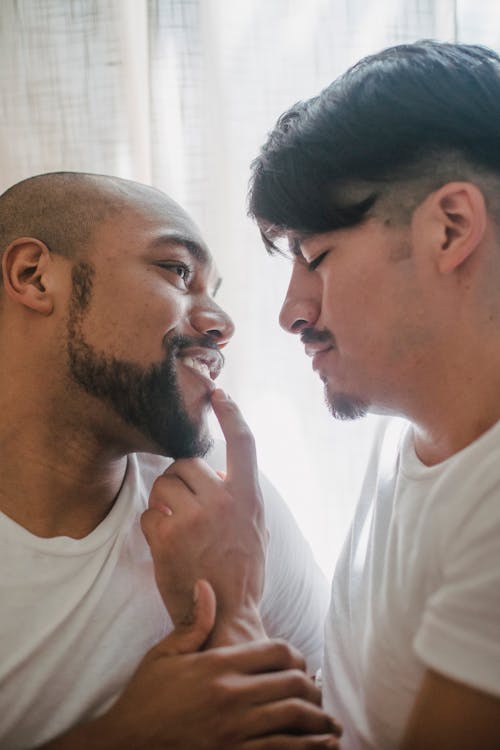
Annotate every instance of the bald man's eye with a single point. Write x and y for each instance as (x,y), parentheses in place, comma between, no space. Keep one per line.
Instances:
(181,273)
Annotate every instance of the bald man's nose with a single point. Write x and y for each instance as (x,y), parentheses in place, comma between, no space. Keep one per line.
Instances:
(211,320)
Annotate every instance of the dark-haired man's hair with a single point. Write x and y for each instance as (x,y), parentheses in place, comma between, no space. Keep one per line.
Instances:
(393,128)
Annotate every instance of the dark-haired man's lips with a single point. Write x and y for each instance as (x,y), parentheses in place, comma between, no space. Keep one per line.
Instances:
(318,353)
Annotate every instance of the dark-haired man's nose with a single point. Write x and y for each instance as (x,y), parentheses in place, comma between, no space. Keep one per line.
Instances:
(211,320)
(302,303)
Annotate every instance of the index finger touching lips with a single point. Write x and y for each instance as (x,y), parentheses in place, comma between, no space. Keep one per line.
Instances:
(240,448)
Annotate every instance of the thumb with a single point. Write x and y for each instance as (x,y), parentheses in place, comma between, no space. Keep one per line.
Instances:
(190,635)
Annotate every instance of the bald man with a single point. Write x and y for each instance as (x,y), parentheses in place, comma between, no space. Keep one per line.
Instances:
(110,343)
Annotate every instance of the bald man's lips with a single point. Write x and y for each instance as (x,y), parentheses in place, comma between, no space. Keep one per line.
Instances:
(206,362)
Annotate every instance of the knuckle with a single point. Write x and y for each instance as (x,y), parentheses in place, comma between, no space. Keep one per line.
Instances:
(172,470)
(158,485)
(178,464)
(315,694)
(163,486)
(282,652)
(299,683)
(224,691)
(288,656)
(295,709)
(182,467)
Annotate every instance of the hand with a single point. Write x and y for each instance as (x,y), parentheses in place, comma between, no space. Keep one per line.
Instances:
(202,524)
(251,697)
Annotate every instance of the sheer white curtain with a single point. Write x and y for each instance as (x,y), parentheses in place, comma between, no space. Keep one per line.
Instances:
(180,94)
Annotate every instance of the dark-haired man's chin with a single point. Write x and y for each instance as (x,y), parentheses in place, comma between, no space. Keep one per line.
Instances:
(345,407)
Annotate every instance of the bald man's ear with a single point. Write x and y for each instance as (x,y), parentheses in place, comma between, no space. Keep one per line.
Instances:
(25,266)
(456,218)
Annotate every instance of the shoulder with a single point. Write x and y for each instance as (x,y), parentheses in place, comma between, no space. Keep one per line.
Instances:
(467,490)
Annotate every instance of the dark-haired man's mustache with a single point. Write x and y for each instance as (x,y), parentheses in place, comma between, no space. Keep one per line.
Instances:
(312,336)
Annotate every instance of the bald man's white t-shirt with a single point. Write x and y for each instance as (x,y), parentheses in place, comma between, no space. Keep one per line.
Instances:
(417,586)
(77,615)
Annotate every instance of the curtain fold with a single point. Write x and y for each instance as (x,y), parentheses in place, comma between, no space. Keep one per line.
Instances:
(180,94)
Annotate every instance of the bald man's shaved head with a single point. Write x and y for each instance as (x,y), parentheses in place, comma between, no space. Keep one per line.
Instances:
(62,209)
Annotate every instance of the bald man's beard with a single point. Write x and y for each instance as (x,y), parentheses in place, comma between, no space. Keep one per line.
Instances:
(149,399)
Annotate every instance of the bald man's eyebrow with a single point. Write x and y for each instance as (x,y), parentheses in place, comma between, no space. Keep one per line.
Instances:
(196,250)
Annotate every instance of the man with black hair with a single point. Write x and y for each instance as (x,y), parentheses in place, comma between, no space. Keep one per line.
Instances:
(110,342)
(386,191)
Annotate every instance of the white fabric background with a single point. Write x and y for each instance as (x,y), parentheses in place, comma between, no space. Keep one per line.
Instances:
(180,94)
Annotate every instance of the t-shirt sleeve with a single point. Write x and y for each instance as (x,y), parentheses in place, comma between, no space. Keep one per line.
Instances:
(459,634)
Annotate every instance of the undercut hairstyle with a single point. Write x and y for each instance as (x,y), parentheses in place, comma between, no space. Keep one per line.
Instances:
(392,129)
(61,209)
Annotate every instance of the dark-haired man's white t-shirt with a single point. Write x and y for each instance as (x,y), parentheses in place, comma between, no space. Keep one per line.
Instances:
(77,615)
(417,586)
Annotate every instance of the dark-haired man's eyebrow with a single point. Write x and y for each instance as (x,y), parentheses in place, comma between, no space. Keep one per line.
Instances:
(295,245)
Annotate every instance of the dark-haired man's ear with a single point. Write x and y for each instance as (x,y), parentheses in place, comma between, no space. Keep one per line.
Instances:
(25,265)
(457,217)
